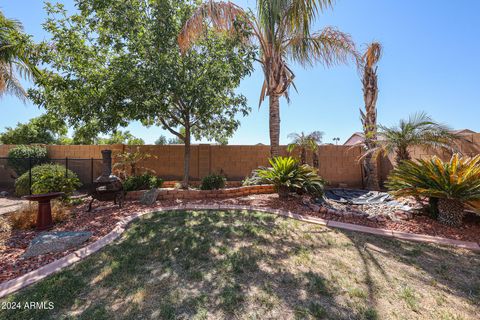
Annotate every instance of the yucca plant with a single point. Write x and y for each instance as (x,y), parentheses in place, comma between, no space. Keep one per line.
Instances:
(287,175)
(453,183)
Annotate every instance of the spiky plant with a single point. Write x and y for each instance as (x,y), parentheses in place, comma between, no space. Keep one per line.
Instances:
(281,29)
(418,130)
(368,69)
(306,142)
(287,175)
(453,183)
(14,58)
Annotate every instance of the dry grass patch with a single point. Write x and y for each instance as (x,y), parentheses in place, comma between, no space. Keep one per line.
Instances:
(251,265)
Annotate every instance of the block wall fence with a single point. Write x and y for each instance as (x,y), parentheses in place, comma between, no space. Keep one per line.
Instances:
(337,164)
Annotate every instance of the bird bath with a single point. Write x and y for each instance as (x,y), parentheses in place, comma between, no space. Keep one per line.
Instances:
(44,215)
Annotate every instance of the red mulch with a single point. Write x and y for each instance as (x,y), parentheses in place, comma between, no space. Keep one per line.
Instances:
(105,217)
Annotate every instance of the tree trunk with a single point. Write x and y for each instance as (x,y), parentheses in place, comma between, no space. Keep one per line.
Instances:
(450,212)
(370,173)
(315,159)
(402,154)
(369,122)
(274,101)
(303,156)
(186,162)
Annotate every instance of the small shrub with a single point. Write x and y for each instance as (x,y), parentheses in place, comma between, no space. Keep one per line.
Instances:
(213,182)
(26,217)
(48,178)
(253,179)
(18,157)
(448,184)
(145,181)
(287,175)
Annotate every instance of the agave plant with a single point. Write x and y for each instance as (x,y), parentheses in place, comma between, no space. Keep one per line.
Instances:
(453,183)
(287,175)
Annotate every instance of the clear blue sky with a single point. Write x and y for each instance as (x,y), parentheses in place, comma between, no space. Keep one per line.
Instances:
(430,63)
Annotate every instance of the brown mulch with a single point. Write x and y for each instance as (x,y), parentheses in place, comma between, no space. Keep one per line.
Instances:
(105,216)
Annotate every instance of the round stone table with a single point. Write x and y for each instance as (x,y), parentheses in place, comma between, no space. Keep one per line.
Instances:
(44,215)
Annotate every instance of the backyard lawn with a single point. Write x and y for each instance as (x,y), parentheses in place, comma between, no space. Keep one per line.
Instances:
(251,265)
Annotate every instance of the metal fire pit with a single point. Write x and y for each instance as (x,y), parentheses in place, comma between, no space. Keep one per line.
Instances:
(107,187)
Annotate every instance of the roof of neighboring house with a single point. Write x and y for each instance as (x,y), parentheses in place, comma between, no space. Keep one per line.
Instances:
(357,137)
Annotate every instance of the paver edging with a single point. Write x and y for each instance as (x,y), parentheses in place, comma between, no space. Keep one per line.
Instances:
(13,285)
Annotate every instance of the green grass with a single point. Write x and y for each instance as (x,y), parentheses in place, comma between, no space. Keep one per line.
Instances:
(251,265)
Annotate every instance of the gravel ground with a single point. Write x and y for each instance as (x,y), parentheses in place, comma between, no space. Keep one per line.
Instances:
(104,217)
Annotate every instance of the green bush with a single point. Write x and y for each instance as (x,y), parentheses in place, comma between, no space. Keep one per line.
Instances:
(47,178)
(287,175)
(213,182)
(448,185)
(145,181)
(253,179)
(18,157)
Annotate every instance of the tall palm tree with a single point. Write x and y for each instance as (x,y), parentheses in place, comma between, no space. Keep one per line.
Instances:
(281,29)
(368,69)
(306,142)
(418,130)
(14,58)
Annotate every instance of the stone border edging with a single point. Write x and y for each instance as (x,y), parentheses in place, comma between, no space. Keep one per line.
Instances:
(34,276)
(171,193)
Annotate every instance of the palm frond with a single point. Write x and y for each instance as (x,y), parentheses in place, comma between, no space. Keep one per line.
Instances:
(328,47)
(457,179)
(372,55)
(220,15)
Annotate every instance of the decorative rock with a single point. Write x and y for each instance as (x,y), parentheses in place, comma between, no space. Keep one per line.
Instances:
(56,241)
(323,209)
(382,218)
(315,207)
(4,194)
(401,215)
(331,211)
(149,197)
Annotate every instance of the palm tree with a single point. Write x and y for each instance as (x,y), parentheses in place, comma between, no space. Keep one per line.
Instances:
(281,29)
(368,69)
(13,58)
(418,130)
(306,142)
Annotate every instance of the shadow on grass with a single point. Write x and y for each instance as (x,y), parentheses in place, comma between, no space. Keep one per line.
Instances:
(224,264)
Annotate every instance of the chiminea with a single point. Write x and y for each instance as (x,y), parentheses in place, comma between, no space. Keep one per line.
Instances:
(107,187)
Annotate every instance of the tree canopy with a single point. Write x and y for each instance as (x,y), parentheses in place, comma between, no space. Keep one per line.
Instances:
(118,61)
(44,129)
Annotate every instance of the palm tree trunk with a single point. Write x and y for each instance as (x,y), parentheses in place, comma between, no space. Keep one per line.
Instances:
(274,101)
(303,156)
(370,172)
(402,154)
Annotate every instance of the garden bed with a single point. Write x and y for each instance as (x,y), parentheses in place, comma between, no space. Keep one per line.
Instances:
(105,216)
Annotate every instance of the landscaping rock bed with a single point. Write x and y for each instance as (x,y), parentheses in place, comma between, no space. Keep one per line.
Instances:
(102,220)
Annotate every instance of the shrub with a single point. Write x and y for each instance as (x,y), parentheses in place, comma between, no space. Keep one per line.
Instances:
(253,179)
(452,183)
(142,182)
(48,178)
(18,157)
(26,217)
(213,182)
(287,175)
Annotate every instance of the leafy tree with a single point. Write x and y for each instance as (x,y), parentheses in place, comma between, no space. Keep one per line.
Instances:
(119,137)
(117,61)
(44,129)
(15,57)
(306,142)
(368,68)
(281,29)
(162,140)
(418,130)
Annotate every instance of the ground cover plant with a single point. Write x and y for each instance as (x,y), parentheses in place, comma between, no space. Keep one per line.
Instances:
(251,265)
